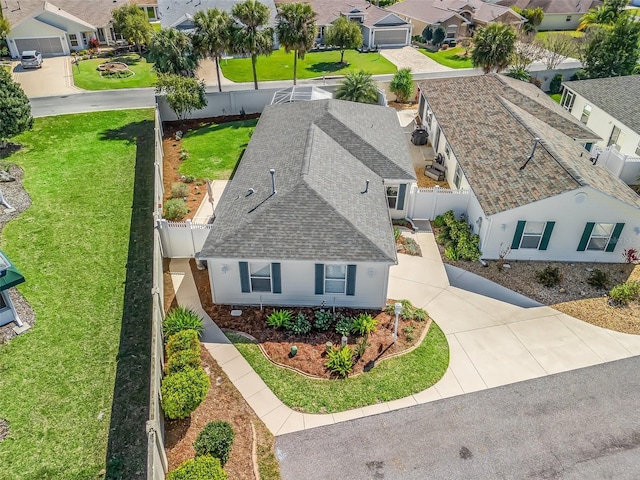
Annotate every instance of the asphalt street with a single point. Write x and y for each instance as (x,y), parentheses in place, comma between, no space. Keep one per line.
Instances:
(582,424)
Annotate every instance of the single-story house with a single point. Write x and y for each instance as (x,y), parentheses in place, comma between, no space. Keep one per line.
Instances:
(459,17)
(379,27)
(306,219)
(558,14)
(63,26)
(535,189)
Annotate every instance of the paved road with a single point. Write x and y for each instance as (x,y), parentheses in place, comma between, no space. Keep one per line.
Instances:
(92,101)
(582,425)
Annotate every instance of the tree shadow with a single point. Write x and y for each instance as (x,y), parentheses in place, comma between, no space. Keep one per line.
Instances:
(216,127)
(328,67)
(127,444)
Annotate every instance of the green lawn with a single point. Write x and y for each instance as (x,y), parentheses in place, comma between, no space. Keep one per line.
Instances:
(84,248)
(213,151)
(557,97)
(87,76)
(452,57)
(571,33)
(279,65)
(392,379)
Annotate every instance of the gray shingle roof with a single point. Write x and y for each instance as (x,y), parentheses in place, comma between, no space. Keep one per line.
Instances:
(618,96)
(170,11)
(554,6)
(491,122)
(323,151)
(329,10)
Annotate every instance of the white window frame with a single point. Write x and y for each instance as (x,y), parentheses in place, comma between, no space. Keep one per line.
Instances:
(255,267)
(335,280)
(618,139)
(532,235)
(447,150)
(393,197)
(600,236)
(457,176)
(568,100)
(638,149)
(73,40)
(586,113)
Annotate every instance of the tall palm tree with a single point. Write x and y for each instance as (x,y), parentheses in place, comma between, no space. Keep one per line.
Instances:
(296,31)
(494,47)
(172,52)
(212,35)
(605,15)
(358,87)
(253,37)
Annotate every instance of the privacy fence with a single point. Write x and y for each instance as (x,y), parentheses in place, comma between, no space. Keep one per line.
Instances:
(427,203)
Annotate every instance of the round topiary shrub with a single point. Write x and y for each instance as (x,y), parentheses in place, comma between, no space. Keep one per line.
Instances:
(182,392)
(199,468)
(181,318)
(215,439)
(175,209)
(184,340)
(183,360)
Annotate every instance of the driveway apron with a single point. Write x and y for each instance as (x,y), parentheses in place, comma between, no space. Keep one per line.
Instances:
(54,78)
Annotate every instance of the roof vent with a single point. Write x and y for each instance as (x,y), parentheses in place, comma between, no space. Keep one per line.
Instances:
(251,191)
(533,151)
(366,187)
(273,181)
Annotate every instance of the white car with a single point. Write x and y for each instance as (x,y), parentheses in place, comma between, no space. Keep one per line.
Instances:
(31,59)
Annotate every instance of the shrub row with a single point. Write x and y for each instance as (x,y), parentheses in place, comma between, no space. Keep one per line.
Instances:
(323,320)
(457,238)
(408,312)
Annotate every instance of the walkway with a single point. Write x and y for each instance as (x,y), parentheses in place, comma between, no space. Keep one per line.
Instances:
(492,342)
(412,58)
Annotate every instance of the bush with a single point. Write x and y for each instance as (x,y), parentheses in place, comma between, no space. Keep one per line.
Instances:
(396,233)
(179,190)
(452,254)
(182,392)
(300,325)
(279,319)
(598,278)
(189,179)
(411,247)
(344,325)
(536,81)
(182,360)
(438,222)
(323,320)
(340,360)
(364,324)
(175,209)
(549,276)
(215,439)
(184,340)
(625,292)
(199,468)
(361,346)
(181,318)
(457,238)
(420,315)
(407,312)
(449,217)
(556,84)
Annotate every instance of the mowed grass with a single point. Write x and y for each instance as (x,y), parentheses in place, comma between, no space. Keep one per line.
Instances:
(279,65)
(72,245)
(452,57)
(557,97)
(391,379)
(87,76)
(214,150)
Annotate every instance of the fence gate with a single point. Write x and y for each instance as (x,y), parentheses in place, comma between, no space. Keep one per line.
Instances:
(182,239)
(427,203)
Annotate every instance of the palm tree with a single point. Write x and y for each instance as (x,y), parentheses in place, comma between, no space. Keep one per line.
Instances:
(296,30)
(253,37)
(605,15)
(212,35)
(358,87)
(172,52)
(494,47)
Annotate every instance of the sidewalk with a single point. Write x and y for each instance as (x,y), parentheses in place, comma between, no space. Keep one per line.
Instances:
(492,342)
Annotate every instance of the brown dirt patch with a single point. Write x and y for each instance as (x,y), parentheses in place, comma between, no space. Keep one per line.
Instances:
(426,182)
(4,429)
(311,355)
(402,106)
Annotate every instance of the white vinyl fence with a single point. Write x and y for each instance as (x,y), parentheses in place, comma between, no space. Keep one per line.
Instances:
(182,239)
(428,203)
(625,167)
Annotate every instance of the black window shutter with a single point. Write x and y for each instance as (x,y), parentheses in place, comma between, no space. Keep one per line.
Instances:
(617,230)
(586,234)
(402,190)
(515,244)
(277,278)
(351,279)
(244,277)
(546,235)
(319,278)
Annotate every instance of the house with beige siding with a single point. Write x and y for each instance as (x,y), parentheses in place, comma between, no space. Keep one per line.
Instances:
(558,14)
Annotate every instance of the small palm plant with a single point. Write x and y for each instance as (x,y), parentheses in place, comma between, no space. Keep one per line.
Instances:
(358,87)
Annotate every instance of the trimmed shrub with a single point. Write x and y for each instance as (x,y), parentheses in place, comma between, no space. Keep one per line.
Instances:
(556,84)
(344,325)
(452,254)
(323,320)
(182,392)
(175,209)
(279,319)
(182,360)
(184,340)
(179,190)
(364,324)
(420,315)
(181,318)
(300,325)
(438,222)
(598,278)
(549,276)
(625,292)
(199,468)
(340,360)
(215,439)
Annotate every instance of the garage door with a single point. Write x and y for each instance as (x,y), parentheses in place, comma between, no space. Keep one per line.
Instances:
(46,46)
(389,37)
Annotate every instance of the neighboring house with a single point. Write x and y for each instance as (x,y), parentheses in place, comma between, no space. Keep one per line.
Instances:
(63,26)
(534,187)
(379,27)
(459,17)
(306,218)
(558,14)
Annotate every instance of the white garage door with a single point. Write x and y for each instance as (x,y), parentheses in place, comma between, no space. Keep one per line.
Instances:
(389,37)
(46,46)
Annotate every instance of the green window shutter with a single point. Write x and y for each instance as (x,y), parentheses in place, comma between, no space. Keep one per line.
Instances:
(402,191)
(582,246)
(614,237)
(546,235)
(515,244)
(244,277)
(277,278)
(351,279)
(319,278)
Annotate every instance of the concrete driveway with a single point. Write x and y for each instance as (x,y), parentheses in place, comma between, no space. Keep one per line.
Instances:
(411,57)
(54,78)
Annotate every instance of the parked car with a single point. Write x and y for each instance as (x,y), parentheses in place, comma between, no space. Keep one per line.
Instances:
(31,59)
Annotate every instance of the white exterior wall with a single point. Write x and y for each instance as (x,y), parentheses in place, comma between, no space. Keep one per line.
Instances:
(558,21)
(571,216)
(298,285)
(602,124)
(35,29)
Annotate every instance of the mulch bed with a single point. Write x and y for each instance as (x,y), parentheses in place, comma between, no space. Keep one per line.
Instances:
(311,355)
